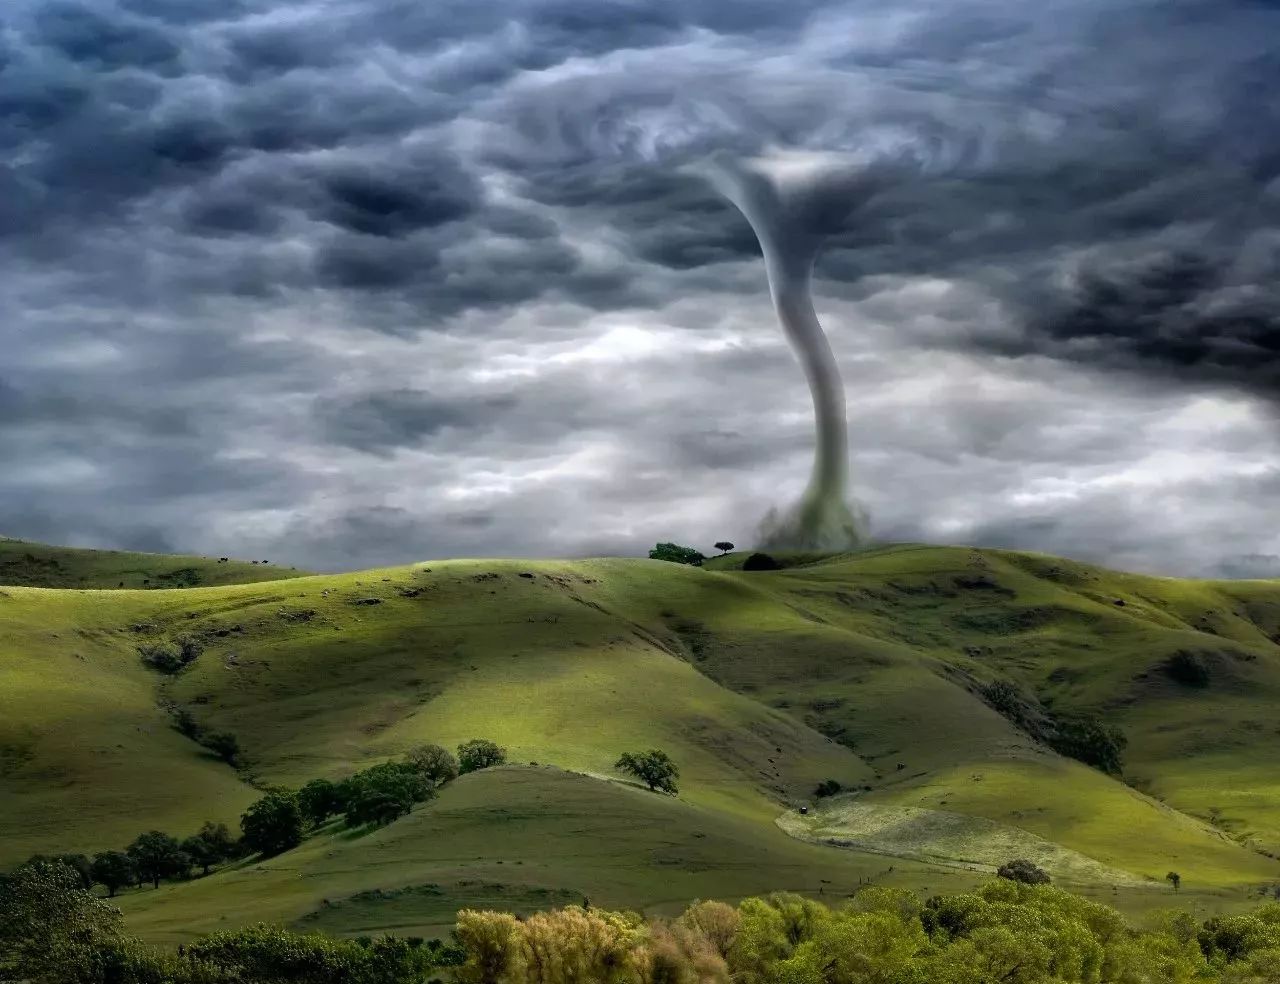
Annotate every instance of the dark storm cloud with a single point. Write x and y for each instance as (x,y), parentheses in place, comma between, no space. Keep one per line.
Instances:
(253,250)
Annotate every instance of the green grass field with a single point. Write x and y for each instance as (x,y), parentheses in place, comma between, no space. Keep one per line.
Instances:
(864,668)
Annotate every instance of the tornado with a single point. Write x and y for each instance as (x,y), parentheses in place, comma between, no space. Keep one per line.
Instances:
(792,203)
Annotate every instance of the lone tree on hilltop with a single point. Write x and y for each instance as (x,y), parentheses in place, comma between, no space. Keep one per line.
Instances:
(1174,879)
(1022,870)
(724,546)
(654,768)
(676,554)
(480,753)
(113,870)
(273,824)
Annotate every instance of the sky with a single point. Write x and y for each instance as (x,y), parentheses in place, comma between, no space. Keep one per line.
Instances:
(357,282)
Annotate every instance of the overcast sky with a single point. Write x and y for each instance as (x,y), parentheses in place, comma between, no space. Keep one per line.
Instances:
(354,282)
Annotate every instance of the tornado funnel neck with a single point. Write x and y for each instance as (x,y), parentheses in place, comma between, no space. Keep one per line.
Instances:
(782,216)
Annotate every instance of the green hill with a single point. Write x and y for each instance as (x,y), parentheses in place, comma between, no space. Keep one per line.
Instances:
(38,565)
(874,669)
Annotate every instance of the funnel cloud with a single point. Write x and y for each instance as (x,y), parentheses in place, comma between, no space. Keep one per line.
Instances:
(778,196)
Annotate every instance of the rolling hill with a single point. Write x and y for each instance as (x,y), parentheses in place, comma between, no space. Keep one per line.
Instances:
(875,669)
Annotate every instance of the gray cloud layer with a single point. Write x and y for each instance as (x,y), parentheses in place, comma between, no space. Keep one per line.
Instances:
(356,282)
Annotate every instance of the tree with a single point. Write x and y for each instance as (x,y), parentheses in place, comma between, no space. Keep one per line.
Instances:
(113,870)
(319,800)
(156,855)
(828,787)
(676,554)
(1174,879)
(724,546)
(51,927)
(1022,870)
(219,840)
(273,824)
(1090,741)
(376,806)
(479,753)
(434,762)
(76,862)
(200,853)
(654,768)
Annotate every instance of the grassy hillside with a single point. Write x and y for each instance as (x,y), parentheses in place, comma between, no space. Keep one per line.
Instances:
(38,565)
(866,668)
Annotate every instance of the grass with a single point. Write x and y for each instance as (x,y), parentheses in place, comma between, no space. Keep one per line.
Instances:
(862,667)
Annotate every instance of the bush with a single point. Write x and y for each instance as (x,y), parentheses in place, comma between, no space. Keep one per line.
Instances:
(171,656)
(761,562)
(654,768)
(828,787)
(480,753)
(676,554)
(1090,741)
(273,824)
(1022,870)
(435,763)
(224,745)
(1187,668)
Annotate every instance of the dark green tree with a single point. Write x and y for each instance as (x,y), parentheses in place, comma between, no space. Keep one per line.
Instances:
(200,853)
(1022,870)
(1174,879)
(156,855)
(319,800)
(676,554)
(219,840)
(376,806)
(78,863)
(113,870)
(273,824)
(435,762)
(724,546)
(654,768)
(480,753)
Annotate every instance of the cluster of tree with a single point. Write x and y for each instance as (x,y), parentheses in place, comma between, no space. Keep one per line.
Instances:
(1076,736)
(53,931)
(377,795)
(677,554)
(152,857)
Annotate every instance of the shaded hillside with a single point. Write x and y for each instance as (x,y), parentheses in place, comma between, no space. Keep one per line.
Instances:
(38,565)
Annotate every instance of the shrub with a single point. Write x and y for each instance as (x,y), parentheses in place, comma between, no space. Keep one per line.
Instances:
(676,554)
(480,753)
(224,745)
(1187,668)
(435,763)
(273,824)
(171,656)
(761,562)
(654,768)
(1022,870)
(1090,741)
(828,787)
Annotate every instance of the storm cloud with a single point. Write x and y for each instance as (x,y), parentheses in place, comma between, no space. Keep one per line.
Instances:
(368,281)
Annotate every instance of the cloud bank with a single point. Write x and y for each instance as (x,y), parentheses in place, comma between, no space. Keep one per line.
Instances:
(347,283)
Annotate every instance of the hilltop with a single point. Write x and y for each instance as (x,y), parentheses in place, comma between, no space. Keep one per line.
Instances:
(927,681)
